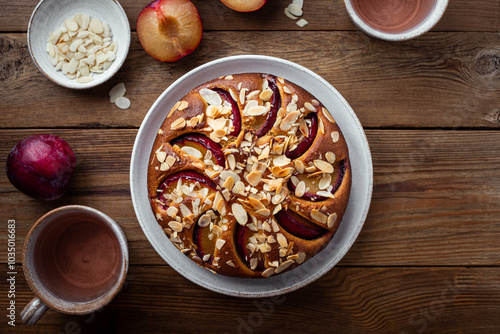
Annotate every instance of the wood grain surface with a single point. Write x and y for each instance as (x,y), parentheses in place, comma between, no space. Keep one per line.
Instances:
(428,257)
(448,80)
(346,300)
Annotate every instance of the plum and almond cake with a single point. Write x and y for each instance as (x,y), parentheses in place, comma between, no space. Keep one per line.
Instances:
(249,175)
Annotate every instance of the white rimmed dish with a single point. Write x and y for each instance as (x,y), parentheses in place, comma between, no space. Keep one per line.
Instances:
(428,15)
(359,155)
(49,15)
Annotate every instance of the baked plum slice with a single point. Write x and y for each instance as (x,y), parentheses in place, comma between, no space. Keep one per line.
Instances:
(234,110)
(186,175)
(201,144)
(204,246)
(306,143)
(275,107)
(299,226)
(337,177)
(242,236)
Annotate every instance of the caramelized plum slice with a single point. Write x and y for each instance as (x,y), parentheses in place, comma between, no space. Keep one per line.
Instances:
(203,244)
(196,140)
(234,110)
(338,176)
(299,226)
(187,175)
(275,106)
(242,236)
(305,144)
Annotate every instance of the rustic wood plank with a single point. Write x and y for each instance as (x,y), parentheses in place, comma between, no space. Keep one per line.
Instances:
(435,200)
(351,300)
(440,80)
(461,15)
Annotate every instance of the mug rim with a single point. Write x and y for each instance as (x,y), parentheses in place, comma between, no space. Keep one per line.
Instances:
(427,24)
(52,300)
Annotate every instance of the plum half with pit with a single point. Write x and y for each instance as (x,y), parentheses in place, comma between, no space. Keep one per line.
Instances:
(234,110)
(201,143)
(305,144)
(169,29)
(41,166)
(299,226)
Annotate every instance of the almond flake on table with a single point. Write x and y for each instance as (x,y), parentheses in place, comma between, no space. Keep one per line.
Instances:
(117,91)
(122,102)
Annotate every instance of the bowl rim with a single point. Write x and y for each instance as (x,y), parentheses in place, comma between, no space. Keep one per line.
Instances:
(433,18)
(188,268)
(93,83)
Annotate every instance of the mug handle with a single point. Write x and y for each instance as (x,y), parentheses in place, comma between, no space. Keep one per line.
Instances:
(33,311)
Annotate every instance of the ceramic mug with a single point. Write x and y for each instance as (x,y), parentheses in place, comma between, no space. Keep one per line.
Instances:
(395,20)
(75,259)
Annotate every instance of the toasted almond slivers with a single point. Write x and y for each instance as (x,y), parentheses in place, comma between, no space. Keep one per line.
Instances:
(175,226)
(324,182)
(299,166)
(183,105)
(239,213)
(330,156)
(281,160)
(161,156)
(266,95)
(284,266)
(323,166)
(254,178)
(268,272)
(263,212)
(229,183)
(328,115)
(178,124)
(300,189)
(192,152)
(220,243)
(309,106)
(282,240)
(289,120)
(318,216)
(332,219)
(335,136)
(204,220)
(257,111)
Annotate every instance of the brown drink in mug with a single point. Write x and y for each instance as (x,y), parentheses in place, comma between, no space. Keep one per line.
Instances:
(75,260)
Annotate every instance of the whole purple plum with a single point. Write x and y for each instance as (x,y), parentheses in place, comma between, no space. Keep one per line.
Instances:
(41,166)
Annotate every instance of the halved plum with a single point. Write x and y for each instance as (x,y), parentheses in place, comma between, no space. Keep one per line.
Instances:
(234,110)
(203,244)
(202,144)
(188,175)
(242,235)
(339,173)
(305,144)
(275,107)
(299,226)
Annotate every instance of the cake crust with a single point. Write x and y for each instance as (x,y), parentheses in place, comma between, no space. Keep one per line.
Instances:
(250,211)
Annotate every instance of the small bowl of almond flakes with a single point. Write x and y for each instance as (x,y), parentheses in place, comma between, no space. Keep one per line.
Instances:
(78,44)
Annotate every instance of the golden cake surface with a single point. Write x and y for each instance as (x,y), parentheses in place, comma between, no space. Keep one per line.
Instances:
(249,175)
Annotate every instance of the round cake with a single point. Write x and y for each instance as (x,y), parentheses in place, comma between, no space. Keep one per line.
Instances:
(249,175)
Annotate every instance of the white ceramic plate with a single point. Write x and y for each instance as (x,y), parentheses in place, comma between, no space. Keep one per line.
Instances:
(50,15)
(359,155)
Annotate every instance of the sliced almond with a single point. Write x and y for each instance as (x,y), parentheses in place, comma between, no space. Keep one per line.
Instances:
(220,243)
(178,124)
(328,115)
(284,266)
(239,213)
(300,189)
(319,216)
(268,272)
(254,178)
(122,102)
(325,181)
(183,105)
(289,120)
(330,156)
(175,226)
(335,136)
(331,220)
(281,160)
(323,166)
(282,240)
(192,152)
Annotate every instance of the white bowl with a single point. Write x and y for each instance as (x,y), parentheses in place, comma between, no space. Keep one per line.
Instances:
(359,155)
(430,14)
(50,15)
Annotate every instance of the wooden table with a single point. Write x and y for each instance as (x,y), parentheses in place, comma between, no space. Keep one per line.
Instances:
(428,257)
